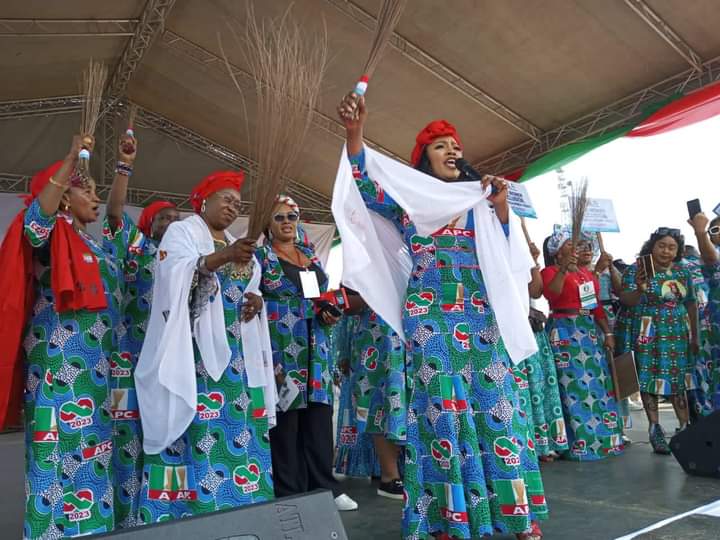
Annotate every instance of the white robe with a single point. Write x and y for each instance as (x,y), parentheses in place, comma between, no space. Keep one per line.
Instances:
(376,261)
(165,375)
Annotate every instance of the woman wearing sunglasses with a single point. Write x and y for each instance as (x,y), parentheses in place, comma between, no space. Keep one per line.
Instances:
(302,441)
(206,401)
(708,238)
(664,330)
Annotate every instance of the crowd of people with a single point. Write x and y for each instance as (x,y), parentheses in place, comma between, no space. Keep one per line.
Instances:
(168,369)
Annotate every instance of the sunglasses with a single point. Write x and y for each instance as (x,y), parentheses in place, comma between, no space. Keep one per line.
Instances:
(292,217)
(666,231)
(714,230)
(232,202)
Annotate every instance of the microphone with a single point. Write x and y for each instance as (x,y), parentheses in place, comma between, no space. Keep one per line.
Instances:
(470,173)
(467,169)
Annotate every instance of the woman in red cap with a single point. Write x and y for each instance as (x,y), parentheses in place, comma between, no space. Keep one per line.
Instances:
(470,464)
(135,248)
(61,293)
(205,391)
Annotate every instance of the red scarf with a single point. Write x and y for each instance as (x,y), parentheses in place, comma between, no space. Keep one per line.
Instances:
(75,281)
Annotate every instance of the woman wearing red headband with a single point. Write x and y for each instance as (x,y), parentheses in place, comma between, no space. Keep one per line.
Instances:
(206,397)
(61,292)
(135,248)
(470,465)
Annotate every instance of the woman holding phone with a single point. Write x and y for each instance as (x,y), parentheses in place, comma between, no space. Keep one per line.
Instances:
(664,330)
(302,441)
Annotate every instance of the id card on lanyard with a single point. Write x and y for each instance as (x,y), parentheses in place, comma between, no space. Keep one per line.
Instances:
(588,299)
(309,283)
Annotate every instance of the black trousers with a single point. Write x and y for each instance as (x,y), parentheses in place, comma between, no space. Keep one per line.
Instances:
(302,451)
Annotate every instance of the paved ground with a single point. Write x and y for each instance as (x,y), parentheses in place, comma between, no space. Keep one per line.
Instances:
(595,501)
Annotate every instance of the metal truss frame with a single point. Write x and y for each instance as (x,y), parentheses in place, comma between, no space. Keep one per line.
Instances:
(316,206)
(28,28)
(188,50)
(18,183)
(441,71)
(662,29)
(151,24)
(611,116)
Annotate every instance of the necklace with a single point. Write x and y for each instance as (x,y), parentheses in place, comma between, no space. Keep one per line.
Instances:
(295,259)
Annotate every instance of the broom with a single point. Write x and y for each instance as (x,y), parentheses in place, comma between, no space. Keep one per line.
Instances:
(288,67)
(127,146)
(578,205)
(92,87)
(387,20)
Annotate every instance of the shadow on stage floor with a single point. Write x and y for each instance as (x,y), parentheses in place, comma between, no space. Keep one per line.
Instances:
(594,501)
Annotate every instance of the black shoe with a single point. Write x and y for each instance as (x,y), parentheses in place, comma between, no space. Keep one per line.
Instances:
(394,489)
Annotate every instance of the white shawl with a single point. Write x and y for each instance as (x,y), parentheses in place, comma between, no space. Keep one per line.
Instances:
(165,375)
(376,261)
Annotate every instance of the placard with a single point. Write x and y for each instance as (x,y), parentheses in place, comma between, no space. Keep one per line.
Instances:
(519,200)
(600,216)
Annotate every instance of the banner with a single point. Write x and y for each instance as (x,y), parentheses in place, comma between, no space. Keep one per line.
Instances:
(519,200)
(600,216)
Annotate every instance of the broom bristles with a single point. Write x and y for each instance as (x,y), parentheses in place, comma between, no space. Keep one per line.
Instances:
(578,206)
(388,17)
(288,68)
(92,88)
(132,115)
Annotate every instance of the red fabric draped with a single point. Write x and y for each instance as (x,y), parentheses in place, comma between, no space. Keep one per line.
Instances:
(76,284)
(695,107)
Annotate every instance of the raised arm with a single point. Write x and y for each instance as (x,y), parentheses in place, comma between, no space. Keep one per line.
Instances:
(353,113)
(707,250)
(127,151)
(52,194)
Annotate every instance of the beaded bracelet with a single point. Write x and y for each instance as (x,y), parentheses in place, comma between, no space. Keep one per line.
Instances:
(123,169)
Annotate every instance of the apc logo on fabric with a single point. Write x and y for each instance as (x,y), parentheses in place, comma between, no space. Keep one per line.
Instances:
(507,449)
(247,477)
(77,505)
(168,483)
(209,405)
(120,364)
(77,414)
(419,303)
(441,450)
(46,429)
(124,404)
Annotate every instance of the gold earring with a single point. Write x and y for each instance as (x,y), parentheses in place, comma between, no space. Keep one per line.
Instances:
(202,207)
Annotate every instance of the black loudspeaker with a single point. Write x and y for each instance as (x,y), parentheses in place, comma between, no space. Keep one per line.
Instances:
(312,516)
(697,448)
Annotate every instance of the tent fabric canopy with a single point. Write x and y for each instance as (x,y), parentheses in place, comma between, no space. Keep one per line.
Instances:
(560,62)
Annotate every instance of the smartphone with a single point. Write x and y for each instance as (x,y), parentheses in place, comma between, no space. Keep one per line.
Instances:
(332,310)
(693,208)
(646,262)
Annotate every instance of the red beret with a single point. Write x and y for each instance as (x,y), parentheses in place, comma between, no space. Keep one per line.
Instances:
(213,183)
(434,130)
(149,213)
(40,180)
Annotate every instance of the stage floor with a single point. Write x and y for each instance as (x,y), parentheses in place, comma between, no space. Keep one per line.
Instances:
(594,501)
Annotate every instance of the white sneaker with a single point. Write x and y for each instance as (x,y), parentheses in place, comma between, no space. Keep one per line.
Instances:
(345,503)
